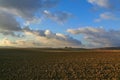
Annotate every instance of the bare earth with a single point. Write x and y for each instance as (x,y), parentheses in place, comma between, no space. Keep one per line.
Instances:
(59,64)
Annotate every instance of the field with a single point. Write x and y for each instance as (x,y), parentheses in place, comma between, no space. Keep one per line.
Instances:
(59,64)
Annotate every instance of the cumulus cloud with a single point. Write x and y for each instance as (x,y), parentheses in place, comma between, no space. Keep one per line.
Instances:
(9,25)
(39,38)
(106,16)
(25,8)
(6,42)
(33,21)
(108,4)
(98,37)
(8,22)
(112,6)
(42,39)
(59,16)
(50,39)
(18,43)
(100,3)
(11,33)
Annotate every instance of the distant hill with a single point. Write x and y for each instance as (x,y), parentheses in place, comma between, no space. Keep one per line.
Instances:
(66,48)
(109,48)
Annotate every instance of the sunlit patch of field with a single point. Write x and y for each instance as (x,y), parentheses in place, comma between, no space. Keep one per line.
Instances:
(59,64)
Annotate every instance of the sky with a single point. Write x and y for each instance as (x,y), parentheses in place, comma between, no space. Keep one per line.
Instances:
(60,23)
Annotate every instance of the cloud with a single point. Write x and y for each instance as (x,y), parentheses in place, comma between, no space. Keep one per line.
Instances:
(8,22)
(33,21)
(98,37)
(9,25)
(100,3)
(50,39)
(59,16)
(107,4)
(106,16)
(6,42)
(11,10)
(11,33)
(18,43)
(39,38)
(25,8)
(112,6)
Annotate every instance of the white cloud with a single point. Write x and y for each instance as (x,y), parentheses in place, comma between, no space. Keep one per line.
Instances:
(26,9)
(98,37)
(107,4)
(18,43)
(6,42)
(41,38)
(106,16)
(59,16)
(100,3)
(50,39)
(33,21)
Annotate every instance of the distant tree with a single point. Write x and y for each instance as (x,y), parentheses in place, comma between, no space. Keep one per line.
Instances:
(67,47)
